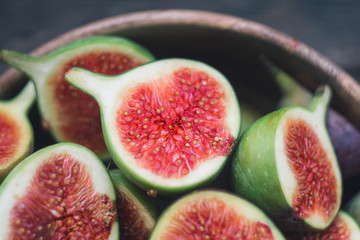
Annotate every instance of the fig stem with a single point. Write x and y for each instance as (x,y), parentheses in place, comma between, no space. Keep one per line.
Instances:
(24,100)
(321,100)
(89,82)
(282,78)
(293,92)
(28,64)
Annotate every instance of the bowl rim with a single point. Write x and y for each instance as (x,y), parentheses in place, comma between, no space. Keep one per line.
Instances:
(344,86)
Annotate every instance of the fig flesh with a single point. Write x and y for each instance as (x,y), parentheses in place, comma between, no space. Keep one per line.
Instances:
(60,192)
(170,125)
(69,114)
(344,227)
(16,132)
(136,211)
(286,165)
(213,214)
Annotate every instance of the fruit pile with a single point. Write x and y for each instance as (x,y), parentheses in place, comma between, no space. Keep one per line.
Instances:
(179,164)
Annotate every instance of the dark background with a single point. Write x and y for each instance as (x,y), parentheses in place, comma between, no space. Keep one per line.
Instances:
(331,27)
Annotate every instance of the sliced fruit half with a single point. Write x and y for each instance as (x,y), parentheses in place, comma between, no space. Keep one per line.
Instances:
(60,192)
(16,132)
(169,125)
(286,165)
(343,135)
(70,114)
(213,214)
(344,227)
(136,211)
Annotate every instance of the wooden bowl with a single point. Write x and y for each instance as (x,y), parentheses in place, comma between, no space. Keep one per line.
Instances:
(231,44)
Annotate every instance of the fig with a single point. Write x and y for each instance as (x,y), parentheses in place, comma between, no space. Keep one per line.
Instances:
(136,210)
(69,114)
(214,214)
(16,131)
(286,165)
(170,125)
(344,227)
(353,207)
(343,134)
(62,191)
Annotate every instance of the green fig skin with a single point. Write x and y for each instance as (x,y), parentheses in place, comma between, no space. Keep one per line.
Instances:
(251,174)
(255,168)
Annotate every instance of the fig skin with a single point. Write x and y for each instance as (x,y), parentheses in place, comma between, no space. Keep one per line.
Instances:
(258,176)
(17,109)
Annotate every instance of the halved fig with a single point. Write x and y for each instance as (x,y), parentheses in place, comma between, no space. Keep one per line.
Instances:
(213,214)
(70,114)
(344,227)
(169,125)
(136,211)
(16,132)
(286,165)
(60,192)
(343,134)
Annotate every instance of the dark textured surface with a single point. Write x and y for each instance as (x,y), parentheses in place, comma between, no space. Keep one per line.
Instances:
(331,27)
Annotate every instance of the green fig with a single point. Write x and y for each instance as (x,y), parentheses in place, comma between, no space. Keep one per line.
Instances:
(69,114)
(286,165)
(344,227)
(136,210)
(169,125)
(62,191)
(343,134)
(16,131)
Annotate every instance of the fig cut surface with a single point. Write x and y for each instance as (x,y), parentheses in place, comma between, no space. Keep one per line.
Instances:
(171,123)
(212,214)
(16,132)
(317,190)
(60,192)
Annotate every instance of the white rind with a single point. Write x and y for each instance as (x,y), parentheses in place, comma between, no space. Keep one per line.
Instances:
(15,185)
(242,207)
(286,176)
(110,103)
